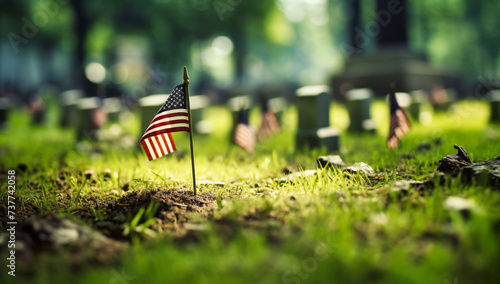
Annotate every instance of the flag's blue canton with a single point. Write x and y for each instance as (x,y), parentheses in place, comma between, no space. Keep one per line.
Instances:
(243,117)
(176,100)
(393,103)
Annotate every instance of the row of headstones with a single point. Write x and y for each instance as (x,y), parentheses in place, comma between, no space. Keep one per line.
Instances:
(313,104)
(313,111)
(77,110)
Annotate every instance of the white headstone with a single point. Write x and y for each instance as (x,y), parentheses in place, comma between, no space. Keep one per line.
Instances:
(313,106)
(91,116)
(494,97)
(69,100)
(4,112)
(198,104)
(358,104)
(113,107)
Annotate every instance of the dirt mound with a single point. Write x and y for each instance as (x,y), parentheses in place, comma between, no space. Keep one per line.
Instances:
(172,207)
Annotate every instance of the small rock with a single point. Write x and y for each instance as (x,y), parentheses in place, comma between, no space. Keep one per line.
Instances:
(88,174)
(107,173)
(402,185)
(379,219)
(457,203)
(487,172)
(63,236)
(113,192)
(334,161)
(195,227)
(405,185)
(452,164)
(360,167)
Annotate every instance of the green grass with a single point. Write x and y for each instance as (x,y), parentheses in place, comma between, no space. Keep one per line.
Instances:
(332,228)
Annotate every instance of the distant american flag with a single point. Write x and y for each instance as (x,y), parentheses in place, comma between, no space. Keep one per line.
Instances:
(157,141)
(269,125)
(399,125)
(244,135)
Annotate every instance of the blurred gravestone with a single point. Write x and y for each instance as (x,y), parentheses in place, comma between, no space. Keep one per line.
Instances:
(418,99)
(113,108)
(313,103)
(91,117)
(378,52)
(69,101)
(198,104)
(236,104)
(4,112)
(330,138)
(358,104)
(278,106)
(150,105)
(275,96)
(494,97)
(441,98)
(36,107)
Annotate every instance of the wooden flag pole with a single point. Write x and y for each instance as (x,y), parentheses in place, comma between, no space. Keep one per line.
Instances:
(186,88)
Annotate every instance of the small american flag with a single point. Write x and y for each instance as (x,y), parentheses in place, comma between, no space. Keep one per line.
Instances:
(244,135)
(157,141)
(400,125)
(269,125)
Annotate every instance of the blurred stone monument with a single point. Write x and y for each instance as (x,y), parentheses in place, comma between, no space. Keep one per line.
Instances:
(358,104)
(113,108)
(313,106)
(494,97)
(4,112)
(69,101)
(391,60)
(198,104)
(441,99)
(91,118)
(418,99)
(278,106)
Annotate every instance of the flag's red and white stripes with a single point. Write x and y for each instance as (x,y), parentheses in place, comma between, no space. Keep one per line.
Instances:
(173,116)
(269,125)
(168,121)
(244,136)
(158,145)
(399,126)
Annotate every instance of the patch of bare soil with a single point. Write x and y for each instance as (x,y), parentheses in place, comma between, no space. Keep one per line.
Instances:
(173,208)
(101,237)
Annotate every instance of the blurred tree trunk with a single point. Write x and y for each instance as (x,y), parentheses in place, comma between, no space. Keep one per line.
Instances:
(240,50)
(354,21)
(395,33)
(81,28)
